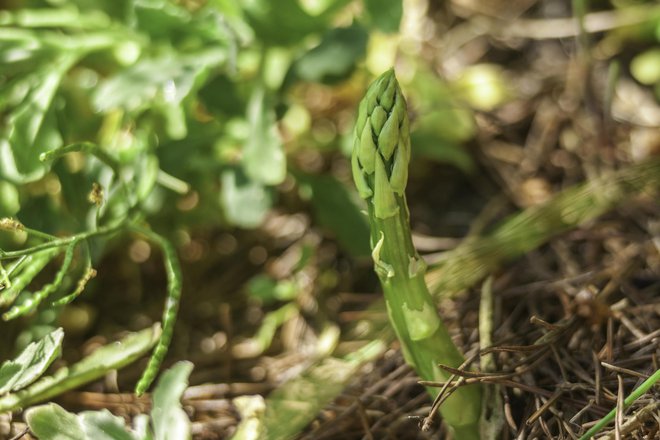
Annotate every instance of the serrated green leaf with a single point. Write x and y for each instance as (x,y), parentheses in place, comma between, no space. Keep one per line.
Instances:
(169,420)
(52,422)
(31,363)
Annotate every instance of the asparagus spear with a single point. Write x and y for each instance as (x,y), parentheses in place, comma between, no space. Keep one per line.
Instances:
(379,162)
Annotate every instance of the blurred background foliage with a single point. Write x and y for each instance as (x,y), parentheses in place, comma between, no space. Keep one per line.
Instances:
(213,104)
(209,105)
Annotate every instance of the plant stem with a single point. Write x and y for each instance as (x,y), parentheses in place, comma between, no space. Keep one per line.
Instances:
(424,339)
(636,394)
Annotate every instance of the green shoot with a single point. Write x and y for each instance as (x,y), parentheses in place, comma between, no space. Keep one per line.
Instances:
(380,169)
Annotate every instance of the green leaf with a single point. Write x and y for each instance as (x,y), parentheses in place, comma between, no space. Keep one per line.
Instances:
(52,422)
(263,156)
(428,145)
(221,95)
(444,123)
(385,14)
(147,176)
(268,290)
(31,125)
(102,425)
(10,202)
(298,401)
(285,22)
(174,22)
(169,78)
(109,357)
(245,202)
(335,57)
(31,363)
(336,209)
(161,18)
(169,420)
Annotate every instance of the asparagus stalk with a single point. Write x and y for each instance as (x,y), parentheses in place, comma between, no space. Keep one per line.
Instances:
(380,170)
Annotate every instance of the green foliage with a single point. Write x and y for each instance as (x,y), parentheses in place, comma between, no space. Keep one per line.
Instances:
(113,113)
(299,400)
(52,421)
(96,365)
(168,420)
(335,57)
(31,363)
(31,123)
(444,124)
(385,14)
(336,209)
(267,290)
(246,201)
(263,156)
(285,22)
(9,199)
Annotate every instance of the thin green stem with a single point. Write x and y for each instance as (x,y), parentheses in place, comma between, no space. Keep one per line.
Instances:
(88,274)
(174,280)
(172,183)
(83,147)
(5,282)
(62,242)
(30,267)
(33,302)
(636,394)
